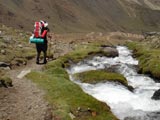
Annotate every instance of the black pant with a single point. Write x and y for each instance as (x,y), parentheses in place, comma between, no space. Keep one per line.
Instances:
(41,48)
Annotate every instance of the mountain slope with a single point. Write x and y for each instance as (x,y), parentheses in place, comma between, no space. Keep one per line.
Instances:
(83,15)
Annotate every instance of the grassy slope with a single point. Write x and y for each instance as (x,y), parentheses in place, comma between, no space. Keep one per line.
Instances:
(148,58)
(65,95)
(15,43)
(15,50)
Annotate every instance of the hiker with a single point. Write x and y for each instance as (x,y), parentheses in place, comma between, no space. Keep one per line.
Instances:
(42,47)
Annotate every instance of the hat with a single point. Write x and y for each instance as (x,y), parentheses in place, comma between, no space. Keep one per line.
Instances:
(44,23)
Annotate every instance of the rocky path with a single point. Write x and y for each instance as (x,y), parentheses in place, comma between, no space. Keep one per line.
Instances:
(24,101)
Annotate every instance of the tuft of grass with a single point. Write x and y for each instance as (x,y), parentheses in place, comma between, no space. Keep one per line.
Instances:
(148,58)
(96,76)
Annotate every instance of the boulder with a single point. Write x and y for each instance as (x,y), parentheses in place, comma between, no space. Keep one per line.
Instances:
(110,51)
(156,95)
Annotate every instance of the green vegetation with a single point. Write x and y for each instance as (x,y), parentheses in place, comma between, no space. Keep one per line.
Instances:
(5,81)
(14,46)
(66,96)
(84,51)
(96,76)
(148,57)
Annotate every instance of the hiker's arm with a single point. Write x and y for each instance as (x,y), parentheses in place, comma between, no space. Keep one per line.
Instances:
(44,33)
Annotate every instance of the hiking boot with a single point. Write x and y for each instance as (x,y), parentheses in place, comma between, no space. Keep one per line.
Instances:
(37,62)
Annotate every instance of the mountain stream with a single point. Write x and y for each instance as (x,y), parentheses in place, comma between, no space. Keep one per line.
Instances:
(126,105)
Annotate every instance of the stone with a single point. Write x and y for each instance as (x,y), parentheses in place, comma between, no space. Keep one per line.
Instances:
(111,51)
(156,95)
(23,73)
(72,116)
(7,39)
(3,64)
(20,46)
(3,52)
(5,68)
(21,34)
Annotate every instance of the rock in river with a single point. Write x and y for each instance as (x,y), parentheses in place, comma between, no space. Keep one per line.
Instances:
(156,95)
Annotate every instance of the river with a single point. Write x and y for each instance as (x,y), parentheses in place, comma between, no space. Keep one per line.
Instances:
(126,105)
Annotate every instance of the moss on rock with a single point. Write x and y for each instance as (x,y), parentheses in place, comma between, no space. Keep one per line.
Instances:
(96,76)
(5,81)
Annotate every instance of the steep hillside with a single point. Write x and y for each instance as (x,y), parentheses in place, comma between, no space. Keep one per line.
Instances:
(83,15)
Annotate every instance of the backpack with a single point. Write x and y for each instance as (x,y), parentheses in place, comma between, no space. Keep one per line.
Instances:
(37,29)
(36,36)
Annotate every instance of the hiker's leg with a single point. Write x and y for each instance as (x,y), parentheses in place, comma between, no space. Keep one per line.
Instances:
(45,55)
(38,47)
(38,56)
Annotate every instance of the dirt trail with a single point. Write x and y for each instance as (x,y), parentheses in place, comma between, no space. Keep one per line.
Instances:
(24,101)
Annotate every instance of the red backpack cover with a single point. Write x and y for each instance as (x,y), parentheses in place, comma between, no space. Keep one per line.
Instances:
(37,29)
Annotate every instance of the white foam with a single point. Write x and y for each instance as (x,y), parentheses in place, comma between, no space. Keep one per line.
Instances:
(117,96)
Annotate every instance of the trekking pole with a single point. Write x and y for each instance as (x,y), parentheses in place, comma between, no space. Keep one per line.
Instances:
(49,47)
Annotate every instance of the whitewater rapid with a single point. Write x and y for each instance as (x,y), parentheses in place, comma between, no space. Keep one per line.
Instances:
(125,104)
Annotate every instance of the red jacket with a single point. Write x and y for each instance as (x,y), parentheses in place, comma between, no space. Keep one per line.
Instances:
(44,33)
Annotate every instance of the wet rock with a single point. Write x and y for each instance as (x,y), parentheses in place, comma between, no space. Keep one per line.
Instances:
(130,88)
(110,51)
(107,46)
(156,95)
(111,68)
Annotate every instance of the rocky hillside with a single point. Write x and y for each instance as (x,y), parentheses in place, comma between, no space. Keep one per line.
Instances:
(83,15)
